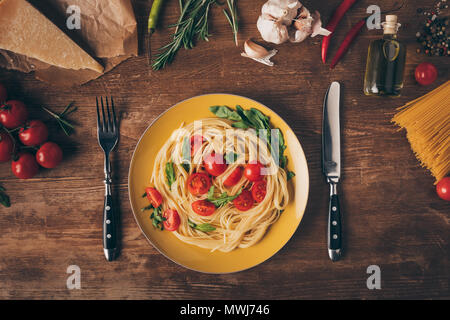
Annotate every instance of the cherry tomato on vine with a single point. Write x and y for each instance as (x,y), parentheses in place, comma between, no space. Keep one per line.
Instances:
(244,201)
(154,197)
(252,171)
(13,114)
(3,94)
(172,221)
(233,178)
(6,146)
(259,190)
(215,164)
(203,207)
(34,133)
(443,189)
(426,73)
(25,166)
(49,155)
(198,183)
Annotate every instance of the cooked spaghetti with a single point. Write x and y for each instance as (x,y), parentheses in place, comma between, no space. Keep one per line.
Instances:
(427,123)
(229,228)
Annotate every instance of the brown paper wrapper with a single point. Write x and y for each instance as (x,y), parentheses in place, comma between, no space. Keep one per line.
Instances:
(108,33)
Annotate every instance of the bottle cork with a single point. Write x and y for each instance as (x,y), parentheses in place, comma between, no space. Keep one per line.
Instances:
(391,26)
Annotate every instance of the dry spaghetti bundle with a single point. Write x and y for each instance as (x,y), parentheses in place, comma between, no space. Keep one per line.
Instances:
(427,123)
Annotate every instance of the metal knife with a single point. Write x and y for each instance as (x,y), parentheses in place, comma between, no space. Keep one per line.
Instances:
(331,166)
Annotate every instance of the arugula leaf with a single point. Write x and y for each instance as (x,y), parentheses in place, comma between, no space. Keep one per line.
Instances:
(157,218)
(225,112)
(186,167)
(170,174)
(149,207)
(240,125)
(205,227)
(223,199)
(290,175)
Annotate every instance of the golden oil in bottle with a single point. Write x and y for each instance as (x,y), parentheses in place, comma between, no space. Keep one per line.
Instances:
(385,62)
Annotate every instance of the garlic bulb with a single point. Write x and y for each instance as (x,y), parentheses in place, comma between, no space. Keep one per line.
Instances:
(283,20)
(258,53)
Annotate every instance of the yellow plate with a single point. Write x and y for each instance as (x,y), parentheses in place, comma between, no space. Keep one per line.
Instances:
(191,256)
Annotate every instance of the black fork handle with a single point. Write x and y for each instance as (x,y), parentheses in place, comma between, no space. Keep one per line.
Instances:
(109,228)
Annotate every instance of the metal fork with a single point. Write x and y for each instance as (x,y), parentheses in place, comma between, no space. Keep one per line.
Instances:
(108,135)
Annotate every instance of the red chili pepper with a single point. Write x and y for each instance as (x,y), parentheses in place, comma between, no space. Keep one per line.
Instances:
(347,41)
(331,26)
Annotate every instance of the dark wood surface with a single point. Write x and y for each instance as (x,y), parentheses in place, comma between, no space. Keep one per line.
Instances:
(392,215)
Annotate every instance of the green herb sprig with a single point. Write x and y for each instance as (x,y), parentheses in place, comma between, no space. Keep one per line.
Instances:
(223,199)
(205,227)
(192,23)
(232,17)
(65,125)
(4,198)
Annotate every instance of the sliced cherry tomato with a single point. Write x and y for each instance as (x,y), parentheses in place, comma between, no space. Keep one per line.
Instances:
(215,164)
(49,155)
(443,189)
(3,94)
(34,133)
(426,73)
(172,221)
(252,171)
(196,143)
(244,201)
(154,197)
(198,183)
(6,146)
(233,178)
(13,114)
(25,166)
(259,190)
(203,207)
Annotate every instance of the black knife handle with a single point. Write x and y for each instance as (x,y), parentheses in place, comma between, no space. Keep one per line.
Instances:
(109,228)
(334,228)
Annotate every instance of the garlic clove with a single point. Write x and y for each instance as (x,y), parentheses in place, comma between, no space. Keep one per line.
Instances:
(254,50)
(258,53)
(317,26)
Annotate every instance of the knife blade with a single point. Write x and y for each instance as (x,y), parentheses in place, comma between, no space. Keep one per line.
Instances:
(331,166)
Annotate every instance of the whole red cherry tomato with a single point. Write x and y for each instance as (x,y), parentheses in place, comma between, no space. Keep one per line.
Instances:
(13,114)
(172,221)
(198,183)
(252,171)
(203,207)
(443,189)
(6,146)
(25,166)
(49,155)
(3,94)
(34,133)
(154,197)
(233,178)
(426,73)
(215,164)
(259,190)
(244,201)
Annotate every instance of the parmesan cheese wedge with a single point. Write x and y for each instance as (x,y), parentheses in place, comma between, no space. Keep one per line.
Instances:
(26,31)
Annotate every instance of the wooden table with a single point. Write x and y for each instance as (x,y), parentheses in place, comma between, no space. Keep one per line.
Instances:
(393,217)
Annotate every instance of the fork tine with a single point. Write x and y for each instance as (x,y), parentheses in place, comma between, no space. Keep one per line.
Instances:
(98,115)
(110,128)
(105,127)
(114,114)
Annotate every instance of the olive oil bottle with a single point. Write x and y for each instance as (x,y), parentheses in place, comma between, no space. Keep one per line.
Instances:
(385,62)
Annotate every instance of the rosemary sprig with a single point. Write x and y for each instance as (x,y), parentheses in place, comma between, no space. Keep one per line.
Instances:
(65,125)
(4,198)
(232,17)
(193,22)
